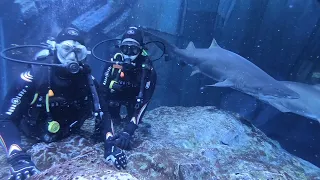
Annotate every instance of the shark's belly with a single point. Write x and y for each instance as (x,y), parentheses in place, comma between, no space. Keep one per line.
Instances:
(212,72)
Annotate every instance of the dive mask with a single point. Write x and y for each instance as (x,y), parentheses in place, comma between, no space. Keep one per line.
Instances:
(130,48)
(71,51)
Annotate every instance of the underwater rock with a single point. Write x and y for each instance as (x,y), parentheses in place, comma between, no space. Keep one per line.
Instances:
(110,28)
(89,165)
(45,155)
(28,8)
(95,16)
(192,171)
(230,137)
(192,137)
(3,164)
(31,8)
(177,143)
(111,14)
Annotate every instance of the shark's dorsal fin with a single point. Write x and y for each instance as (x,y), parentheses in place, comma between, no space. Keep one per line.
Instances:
(214,44)
(190,46)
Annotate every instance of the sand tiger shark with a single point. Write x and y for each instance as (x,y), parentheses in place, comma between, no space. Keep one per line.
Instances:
(231,70)
(228,69)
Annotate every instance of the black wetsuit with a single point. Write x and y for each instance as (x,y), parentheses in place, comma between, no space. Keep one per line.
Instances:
(121,85)
(25,107)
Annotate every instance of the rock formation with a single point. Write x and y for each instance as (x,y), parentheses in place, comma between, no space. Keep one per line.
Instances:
(176,143)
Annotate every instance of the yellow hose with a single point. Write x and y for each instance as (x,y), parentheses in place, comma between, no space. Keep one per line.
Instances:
(34,98)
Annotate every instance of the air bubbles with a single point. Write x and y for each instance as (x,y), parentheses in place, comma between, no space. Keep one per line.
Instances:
(202,89)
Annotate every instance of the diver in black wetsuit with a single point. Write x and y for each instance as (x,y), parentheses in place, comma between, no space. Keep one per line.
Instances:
(48,103)
(131,84)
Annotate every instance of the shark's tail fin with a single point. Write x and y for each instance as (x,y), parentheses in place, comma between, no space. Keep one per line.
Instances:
(157,35)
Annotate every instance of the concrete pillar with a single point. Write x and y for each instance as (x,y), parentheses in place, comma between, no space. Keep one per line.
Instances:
(163,15)
(3,65)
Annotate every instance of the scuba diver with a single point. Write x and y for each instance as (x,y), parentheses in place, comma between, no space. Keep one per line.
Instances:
(49,103)
(130,83)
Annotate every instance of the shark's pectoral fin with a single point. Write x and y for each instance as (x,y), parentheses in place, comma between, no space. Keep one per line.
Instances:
(225,83)
(282,108)
(195,71)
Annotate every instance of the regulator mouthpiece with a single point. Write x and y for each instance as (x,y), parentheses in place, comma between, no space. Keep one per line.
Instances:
(72,67)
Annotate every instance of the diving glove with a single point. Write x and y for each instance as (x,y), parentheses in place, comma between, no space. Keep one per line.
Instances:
(115,155)
(21,166)
(122,140)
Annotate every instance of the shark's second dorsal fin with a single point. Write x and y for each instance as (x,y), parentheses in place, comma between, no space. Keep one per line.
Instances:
(214,44)
(190,45)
